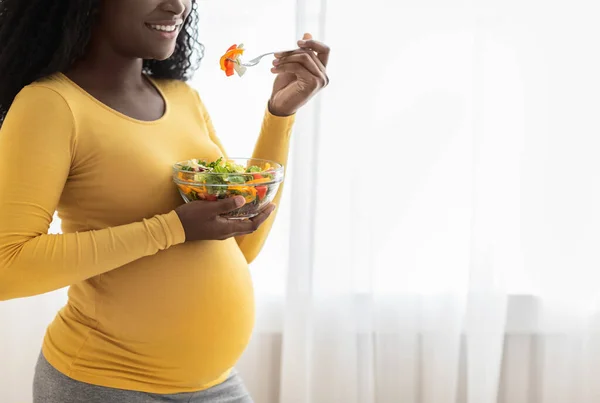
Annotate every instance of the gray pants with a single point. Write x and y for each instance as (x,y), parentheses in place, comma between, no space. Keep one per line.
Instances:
(51,386)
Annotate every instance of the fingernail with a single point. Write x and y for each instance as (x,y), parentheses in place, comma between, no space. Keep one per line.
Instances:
(276,62)
(274,70)
(239,201)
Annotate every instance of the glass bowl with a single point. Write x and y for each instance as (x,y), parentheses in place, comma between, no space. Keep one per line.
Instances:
(256,179)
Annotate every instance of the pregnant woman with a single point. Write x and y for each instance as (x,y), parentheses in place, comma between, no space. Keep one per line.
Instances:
(94,112)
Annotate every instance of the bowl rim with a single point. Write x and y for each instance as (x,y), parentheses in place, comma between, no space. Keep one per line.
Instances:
(278,169)
(195,183)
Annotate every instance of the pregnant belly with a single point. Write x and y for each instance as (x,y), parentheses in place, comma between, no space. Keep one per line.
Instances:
(182,317)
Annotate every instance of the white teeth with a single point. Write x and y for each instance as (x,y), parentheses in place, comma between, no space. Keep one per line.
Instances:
(165,28)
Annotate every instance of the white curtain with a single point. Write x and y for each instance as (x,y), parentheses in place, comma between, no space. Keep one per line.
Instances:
(437,242)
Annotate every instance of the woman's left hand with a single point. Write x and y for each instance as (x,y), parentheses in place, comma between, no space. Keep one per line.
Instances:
(300,75)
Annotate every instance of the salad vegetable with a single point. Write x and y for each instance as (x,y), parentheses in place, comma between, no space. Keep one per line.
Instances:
(230,61)
(198,179)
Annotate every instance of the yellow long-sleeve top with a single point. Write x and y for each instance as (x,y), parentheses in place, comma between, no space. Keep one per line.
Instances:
(146,311)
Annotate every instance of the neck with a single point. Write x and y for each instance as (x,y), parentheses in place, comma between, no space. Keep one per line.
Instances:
(104,67)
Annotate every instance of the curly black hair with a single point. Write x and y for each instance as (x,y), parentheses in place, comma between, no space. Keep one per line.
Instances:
(42,37)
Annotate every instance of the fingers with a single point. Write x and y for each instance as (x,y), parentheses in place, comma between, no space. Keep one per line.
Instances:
(300,71)
(263,215)
(310,54)
(305,65)
(243,227)
(226,205)
(306,59)
(320,65)
(316,46)
(315,50)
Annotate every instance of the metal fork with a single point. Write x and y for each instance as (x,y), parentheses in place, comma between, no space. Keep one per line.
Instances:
(256,60)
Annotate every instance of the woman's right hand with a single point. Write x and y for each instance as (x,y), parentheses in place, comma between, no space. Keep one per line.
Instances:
(202,220)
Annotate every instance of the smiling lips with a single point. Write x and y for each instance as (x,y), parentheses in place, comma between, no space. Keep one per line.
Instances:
(164,26)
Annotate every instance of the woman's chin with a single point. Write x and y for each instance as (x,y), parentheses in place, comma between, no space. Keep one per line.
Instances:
(160,54)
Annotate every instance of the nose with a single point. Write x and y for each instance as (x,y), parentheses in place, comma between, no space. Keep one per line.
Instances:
(176,7)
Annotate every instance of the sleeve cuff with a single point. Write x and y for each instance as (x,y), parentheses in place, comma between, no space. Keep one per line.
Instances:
(175,228)
(278,124)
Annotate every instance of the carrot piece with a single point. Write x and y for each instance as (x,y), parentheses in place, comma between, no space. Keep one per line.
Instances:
(259,180)
(185,189)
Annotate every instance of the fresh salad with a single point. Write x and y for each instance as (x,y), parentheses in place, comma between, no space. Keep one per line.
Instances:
(231,60)
(199,179)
